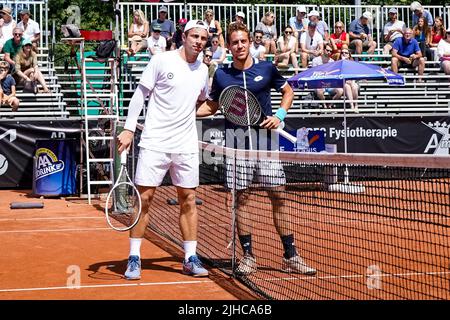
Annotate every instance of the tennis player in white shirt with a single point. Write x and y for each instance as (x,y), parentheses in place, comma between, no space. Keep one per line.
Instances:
(174,81)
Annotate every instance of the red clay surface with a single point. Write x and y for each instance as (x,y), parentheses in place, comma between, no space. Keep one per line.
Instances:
(42,250)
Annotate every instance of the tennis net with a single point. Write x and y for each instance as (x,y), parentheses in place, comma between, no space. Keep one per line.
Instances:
(372,226)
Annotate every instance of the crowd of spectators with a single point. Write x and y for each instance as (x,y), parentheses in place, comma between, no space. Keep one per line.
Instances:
(19,41)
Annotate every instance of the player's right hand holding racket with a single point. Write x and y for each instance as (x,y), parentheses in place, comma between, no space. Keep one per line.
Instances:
(123,203)
(241,107)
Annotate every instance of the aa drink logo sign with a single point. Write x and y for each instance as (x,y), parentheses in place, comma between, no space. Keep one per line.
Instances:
(47,163)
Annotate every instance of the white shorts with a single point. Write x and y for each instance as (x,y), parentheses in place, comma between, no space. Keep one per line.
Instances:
(152,166)
(267,174)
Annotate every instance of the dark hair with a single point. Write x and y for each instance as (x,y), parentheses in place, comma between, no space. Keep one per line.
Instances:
(235,27)
(258,31)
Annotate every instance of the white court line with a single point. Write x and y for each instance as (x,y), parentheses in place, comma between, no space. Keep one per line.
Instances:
(55,230)
(386,275)
(51,218)
(107,286)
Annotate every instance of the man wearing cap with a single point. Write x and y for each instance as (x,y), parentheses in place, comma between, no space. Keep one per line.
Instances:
(12,47)
(393,29)
(406,53)
(156,43)
(311,44)
(31,29)
(167,26)
(7,24)
(322,26)
(239,17)
(174,81)
(299,23)
(361,34)
(418,12)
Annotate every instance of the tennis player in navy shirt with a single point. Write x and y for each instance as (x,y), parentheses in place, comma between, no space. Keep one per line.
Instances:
(259,77)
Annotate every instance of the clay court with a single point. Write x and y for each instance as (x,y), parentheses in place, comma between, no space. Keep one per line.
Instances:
(42,250)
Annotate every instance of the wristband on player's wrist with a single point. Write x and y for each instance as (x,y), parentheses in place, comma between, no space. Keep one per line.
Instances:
(281,114)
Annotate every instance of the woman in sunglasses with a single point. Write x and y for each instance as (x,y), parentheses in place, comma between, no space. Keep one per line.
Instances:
(287,50)
(267,26)
(339,39)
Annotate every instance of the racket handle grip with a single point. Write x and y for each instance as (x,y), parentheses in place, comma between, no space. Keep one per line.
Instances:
(123,157)
(287,135)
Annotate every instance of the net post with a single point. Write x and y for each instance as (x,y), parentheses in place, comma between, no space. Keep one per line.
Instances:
(233,213)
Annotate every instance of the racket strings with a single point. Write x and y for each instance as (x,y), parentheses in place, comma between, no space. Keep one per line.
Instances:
(240,107)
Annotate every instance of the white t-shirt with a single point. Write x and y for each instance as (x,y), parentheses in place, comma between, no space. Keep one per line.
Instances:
(175,86)
(443,48)
(317,61)
(396,25)
(306,39)
(157,44)
(256,52)
(7,31)
(290,45)
(31,30)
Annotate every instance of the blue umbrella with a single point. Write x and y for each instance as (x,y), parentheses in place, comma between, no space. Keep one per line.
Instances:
(334,74)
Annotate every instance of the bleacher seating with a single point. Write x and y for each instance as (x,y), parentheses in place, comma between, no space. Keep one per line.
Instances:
(41,105)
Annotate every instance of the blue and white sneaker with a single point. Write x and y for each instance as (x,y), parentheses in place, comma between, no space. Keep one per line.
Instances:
(133,268)
(193,267)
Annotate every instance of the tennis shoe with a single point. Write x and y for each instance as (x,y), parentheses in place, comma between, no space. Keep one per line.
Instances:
(297,265)
(247,265)
(194,267)
(133,268)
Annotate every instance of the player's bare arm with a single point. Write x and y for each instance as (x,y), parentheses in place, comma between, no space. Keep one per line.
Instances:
(272,122)
(206,108)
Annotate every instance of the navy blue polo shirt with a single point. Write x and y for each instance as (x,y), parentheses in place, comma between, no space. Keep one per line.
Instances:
(261,77)
(406,49)
(357,27)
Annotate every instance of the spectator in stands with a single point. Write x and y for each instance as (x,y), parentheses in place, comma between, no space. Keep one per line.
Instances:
(299,23)
(12,47)
(178,36)
(437,34)
(361,34)
(31,29)
(418,12)
(214,28)
(7,87)
(7,24)
(339,40)
(287,50)
(138,33)
(257,49)
(443,53)
(351,88)
(156,43)
(239,17)
(212,67)
(393,29)
(267,26)
(336,93)
(167,26)
(322,27)
(422,33)
(406,52)
(311,44)
(219,52)
(27,68)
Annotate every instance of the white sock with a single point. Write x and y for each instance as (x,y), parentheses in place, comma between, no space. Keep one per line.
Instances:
(190,248)
(135,247)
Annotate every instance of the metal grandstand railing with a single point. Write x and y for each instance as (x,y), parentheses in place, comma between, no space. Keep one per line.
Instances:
(225,12)
(38,10)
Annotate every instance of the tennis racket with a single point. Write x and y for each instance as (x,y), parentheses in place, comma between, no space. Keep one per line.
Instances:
(241,107)
(123,203)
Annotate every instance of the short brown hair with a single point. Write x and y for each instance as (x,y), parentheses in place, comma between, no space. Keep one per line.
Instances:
(235,27)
